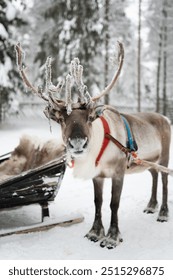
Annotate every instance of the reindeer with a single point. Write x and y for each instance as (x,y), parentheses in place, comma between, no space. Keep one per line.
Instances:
(95,137)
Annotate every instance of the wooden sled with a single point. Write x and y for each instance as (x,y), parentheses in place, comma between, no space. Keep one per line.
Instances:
(39,185)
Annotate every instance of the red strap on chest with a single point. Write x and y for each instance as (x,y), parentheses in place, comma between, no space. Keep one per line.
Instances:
(105,140)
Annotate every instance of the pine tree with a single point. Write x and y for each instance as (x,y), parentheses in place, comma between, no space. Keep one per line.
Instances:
(121,29)
(75,31)
(9,82)
(139,57)
(160,22)
(107,38)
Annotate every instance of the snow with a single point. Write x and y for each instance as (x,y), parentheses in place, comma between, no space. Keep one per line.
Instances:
(132,12)
(3,32)
(10,11)
(144,237)
(4,69)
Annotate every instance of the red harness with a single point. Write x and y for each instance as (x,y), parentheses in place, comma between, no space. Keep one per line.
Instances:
(105,140)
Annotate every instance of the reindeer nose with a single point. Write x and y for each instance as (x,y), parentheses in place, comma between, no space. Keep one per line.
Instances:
(78,145)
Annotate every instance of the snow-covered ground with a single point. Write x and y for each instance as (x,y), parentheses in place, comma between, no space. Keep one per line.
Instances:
(144,237)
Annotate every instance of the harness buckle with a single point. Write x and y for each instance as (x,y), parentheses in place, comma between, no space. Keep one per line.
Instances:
(133,157)
(129,160)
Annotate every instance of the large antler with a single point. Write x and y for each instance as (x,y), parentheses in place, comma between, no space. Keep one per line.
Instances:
(22,68)
(116,75)
(76,70)
(50,88)
(76,74)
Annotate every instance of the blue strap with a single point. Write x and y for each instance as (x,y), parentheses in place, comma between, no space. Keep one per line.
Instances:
(131,143)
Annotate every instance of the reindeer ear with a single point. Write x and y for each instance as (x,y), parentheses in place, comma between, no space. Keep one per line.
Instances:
(95,113)
(58,117)
(99,110)
(53,114)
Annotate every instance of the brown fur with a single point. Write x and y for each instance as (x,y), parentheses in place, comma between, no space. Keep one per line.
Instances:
(30,154)
(83,136)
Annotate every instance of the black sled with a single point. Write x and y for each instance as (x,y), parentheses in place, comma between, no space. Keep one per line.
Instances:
(39,185)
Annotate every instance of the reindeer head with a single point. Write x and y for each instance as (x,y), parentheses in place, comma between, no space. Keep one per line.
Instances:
(75,118)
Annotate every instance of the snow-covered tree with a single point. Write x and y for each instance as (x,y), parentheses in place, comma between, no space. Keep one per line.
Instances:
(120,28)
(65,29)
(9,82)
(159,19)
(74,30)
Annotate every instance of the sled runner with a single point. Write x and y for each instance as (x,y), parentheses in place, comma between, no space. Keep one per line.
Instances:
(43,226)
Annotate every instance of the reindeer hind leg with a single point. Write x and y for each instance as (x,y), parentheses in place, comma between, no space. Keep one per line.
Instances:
(152,205)
(163,213)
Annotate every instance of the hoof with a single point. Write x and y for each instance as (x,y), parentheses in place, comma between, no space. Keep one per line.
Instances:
(151,209)
(110,243)
(162,219)
(107,245)
(94,236)
(163,214)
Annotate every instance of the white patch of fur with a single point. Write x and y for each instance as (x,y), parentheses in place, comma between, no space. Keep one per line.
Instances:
(85,166)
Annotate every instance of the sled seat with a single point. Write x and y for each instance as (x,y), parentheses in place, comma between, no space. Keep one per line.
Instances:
(39,185)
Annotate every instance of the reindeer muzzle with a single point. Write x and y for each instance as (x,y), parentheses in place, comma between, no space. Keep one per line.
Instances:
(77,146)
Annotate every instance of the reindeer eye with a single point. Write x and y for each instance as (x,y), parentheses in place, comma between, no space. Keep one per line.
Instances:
(90,118)
(60,119)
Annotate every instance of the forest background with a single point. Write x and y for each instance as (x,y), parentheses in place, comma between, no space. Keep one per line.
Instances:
(64,29)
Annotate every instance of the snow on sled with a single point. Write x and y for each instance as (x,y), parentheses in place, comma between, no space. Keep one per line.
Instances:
(31,174)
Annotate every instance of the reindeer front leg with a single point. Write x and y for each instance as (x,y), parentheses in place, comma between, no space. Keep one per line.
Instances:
(113,237)
(97,231)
